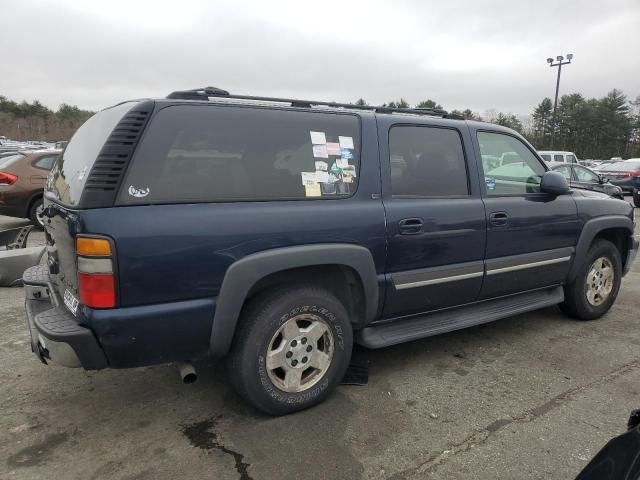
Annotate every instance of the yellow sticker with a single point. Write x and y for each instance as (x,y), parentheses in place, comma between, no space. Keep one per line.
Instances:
(312,190)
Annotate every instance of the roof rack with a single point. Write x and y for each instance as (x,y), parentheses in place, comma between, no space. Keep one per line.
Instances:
(205,93)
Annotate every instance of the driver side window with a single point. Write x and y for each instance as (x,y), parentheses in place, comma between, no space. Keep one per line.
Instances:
(519,172)
(586,176)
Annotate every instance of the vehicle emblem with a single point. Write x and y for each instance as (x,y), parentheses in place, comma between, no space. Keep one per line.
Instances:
(138,192)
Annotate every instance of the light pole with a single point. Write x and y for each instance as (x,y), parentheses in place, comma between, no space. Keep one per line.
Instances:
(559,63)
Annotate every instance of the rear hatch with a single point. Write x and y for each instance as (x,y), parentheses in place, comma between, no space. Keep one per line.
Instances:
(87,175)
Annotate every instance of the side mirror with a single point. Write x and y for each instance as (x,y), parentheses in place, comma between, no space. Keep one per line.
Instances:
(604,180)
(554,183)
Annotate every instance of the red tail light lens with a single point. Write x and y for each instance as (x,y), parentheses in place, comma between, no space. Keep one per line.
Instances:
(7,179)
(97,291)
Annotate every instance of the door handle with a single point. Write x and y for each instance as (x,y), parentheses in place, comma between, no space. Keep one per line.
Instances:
(498,219)
(410,226)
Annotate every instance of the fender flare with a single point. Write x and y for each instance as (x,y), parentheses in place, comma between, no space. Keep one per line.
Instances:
(246,272)
(589,231)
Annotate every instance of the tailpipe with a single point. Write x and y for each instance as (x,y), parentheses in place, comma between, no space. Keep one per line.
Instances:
(187,372)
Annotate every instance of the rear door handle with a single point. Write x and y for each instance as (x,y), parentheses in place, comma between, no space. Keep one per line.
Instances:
(410,226)
(498,219)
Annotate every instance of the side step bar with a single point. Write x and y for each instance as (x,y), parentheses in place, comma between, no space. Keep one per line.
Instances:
(400,331)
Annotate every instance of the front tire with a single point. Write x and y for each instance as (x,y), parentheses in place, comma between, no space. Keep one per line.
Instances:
(292,348)
(597,283)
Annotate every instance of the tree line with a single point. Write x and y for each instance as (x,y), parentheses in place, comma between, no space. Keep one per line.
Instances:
(597,128)
(594,128)
(34,121)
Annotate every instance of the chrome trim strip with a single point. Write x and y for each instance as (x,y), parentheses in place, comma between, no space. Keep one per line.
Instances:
(524,266)
(435,281)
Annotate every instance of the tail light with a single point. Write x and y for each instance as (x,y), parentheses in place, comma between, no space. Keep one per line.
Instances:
(632,174)
(96,278)
(7,179)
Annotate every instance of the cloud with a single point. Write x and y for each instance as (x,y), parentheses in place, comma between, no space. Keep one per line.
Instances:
(475,54)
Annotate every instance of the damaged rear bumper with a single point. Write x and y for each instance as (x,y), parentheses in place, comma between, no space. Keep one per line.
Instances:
(55,333)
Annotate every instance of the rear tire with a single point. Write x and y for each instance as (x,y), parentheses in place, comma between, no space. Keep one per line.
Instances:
(636,198)
(597,283)
(292,347)
(34,212)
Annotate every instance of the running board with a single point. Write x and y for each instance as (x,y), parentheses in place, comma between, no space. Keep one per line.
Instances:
(400,331)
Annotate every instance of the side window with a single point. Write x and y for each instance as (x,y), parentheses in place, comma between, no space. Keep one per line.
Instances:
(45,162)
(571,159)
(585,175)
(558,157)
(427,162)
(515,177)
(546,157)
(218,153)
(564,170)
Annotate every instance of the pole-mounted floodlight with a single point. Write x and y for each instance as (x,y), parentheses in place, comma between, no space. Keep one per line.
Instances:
(559,64)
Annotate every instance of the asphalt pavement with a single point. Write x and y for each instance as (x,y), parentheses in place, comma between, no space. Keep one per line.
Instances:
(533,396)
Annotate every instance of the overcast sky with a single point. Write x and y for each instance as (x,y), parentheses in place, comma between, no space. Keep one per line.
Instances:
(463,53)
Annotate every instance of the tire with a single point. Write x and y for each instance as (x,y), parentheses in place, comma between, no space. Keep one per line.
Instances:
(602,268)
(636,198)
(33,213)
(267,329)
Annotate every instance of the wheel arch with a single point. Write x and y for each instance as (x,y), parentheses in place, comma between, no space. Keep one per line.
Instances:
(616,229)
(32,200)
(325,262)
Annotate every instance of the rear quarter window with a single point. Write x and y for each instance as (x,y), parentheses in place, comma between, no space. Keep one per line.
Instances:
(69,173)
(215,153)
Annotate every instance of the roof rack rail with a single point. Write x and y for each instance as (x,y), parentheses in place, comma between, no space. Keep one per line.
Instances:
(203,94)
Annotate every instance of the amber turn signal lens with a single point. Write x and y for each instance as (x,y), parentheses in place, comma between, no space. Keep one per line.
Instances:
(93,246)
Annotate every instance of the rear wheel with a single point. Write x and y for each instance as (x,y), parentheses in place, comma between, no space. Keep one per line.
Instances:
(292,348)
(596,285)
(35,213)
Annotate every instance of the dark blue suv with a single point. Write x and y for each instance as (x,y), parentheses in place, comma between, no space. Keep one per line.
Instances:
(277,232)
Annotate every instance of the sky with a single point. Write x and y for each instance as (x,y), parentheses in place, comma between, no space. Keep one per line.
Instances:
(478,54)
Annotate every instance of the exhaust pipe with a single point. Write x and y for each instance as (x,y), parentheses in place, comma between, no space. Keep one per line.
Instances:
(187,372)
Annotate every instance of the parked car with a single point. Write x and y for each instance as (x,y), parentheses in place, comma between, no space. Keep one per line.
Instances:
(622,173)
(277,233)
(580,176)
(22,179)
(558,156)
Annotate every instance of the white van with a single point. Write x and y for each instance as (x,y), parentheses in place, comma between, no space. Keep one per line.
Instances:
(558,156)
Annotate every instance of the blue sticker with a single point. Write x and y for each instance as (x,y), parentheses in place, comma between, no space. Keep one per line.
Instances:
(490,183)
(346,153)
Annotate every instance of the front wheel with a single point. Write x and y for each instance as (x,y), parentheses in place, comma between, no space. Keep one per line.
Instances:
(597,283)
(292,348)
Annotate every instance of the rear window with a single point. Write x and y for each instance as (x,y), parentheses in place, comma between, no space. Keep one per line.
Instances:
(230,153)
(69,174)
(10,160)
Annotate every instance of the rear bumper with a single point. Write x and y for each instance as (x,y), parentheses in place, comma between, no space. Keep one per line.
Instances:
(55,333)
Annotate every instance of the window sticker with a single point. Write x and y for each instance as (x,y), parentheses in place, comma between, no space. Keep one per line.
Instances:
(342,162)
(318,138)
(312,190)
(346,142)
(138,192)
(490,183)
(333,149)
(320,151)
(335,169)
(346,153)
(348,171)
(309,178)
(322,166)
